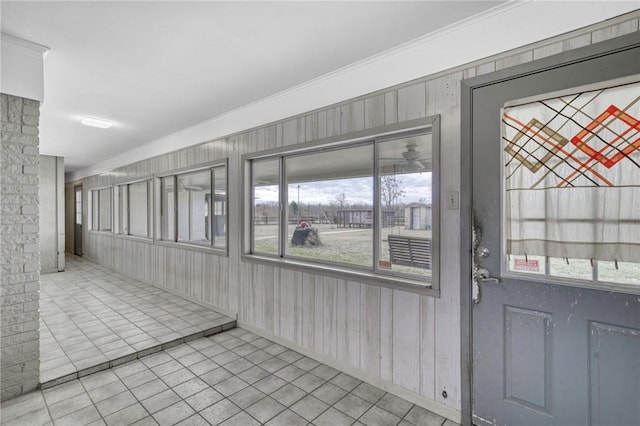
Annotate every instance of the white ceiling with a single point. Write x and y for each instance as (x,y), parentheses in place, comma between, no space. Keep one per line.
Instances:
(154,68)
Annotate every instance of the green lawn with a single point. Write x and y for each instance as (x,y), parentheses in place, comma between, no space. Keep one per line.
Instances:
(352,246)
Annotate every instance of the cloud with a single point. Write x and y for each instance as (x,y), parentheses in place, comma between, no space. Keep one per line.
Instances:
(266,193)
(417,186)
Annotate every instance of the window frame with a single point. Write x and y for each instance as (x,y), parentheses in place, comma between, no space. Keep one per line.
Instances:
(373,274)
(94,211)
(118,208)
(159,203)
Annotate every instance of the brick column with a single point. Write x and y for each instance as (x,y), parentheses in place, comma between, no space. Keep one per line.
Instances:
(19,250)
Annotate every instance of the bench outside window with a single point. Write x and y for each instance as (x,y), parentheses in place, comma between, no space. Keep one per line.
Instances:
(410,251)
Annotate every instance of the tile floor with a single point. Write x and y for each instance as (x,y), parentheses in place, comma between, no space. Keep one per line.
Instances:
(93,318)
(231,378)
(97,327)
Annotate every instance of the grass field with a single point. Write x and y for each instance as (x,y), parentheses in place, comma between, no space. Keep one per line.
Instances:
(352,246)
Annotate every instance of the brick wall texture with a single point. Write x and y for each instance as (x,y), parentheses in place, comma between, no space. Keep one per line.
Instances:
(19,248)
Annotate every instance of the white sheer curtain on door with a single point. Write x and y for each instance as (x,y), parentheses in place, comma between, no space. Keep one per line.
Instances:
(572,175)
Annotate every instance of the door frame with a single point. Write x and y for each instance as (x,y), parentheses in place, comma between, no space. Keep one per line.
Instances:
(582,54)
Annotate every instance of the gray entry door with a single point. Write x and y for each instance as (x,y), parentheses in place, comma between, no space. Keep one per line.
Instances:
(545,352)
(77,220)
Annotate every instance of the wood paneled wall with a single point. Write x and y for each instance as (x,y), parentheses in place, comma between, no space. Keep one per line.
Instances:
(405,342)
(391,335)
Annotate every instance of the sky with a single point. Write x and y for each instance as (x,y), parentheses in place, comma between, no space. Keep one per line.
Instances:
(356,190)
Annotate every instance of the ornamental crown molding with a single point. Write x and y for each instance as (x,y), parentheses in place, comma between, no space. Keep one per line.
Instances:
(22,67)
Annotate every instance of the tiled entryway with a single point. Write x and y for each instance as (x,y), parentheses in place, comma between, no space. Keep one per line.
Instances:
(129,353)
(232,378)
(92,318)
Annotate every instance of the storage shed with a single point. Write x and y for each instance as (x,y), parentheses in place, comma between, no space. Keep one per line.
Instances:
(354,218)
(362,218)
(417,216)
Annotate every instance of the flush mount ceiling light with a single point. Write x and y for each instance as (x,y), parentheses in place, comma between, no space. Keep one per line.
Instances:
(96,122)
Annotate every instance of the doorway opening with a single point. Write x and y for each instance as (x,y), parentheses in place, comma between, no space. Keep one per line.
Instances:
(77,220)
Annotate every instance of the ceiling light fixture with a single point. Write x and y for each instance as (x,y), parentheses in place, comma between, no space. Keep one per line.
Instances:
(96,122)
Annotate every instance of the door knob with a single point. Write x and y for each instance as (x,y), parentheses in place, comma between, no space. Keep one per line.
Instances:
(482,275)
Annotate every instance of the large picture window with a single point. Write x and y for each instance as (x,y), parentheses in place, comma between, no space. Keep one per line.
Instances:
(134,212)
(101,209)
(194,207)
(366,205)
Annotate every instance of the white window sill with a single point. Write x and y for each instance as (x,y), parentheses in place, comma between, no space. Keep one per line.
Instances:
(336,271)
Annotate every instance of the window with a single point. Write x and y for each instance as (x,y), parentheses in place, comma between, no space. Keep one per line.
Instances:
(101,209)
(168,208)
(194,207)
(366,205)
(78,206)
(406,204)
(266,201)
(133,210)
(571,185)
(594,271)
(343,197)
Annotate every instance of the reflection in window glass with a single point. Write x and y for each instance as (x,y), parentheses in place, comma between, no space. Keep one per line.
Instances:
(201,219)
(194,190)
(123,217)
(139,202)
(406,208)
(266,212)
(219,222)
(168,213)
(104,218)
(183,214)
(330,215)
(95,210)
